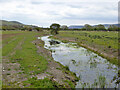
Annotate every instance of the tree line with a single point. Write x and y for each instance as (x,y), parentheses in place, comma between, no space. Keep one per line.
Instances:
(55,27)
(99,27)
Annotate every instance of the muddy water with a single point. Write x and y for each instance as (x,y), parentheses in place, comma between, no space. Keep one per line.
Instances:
(93,70)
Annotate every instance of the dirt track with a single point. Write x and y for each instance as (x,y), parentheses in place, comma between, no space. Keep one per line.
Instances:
(5,36)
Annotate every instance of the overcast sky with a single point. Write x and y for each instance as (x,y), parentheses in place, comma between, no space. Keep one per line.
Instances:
(65,12)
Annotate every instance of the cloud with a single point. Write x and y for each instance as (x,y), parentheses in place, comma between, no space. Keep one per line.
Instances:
(45,12)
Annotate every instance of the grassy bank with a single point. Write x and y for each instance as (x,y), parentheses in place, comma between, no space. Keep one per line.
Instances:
(25,61)
(103,43)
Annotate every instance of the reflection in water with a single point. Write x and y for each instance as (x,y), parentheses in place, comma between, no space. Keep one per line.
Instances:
(53,42)
(93,70)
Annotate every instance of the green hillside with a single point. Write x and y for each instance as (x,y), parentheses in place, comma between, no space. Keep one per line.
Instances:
(4,22)
(15,25)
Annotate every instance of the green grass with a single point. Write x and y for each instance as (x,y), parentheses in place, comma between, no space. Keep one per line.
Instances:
(13,32)
(44,83)
(70,83)
(7,40)
(28,57)
(26,54)
(8,48)
(31,62)
(106,42)
(96,37)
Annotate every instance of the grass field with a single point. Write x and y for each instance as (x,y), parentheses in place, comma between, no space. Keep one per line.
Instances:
(25,59)
(103,43)
(12,32)
(24,63)
(20,49)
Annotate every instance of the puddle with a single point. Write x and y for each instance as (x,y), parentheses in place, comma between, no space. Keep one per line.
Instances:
(93,70)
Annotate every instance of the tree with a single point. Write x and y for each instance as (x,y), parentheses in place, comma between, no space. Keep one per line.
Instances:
(38,28)
(100,27)
(113,28)
(64,27)
(55,27)
(28,27)
(88,27)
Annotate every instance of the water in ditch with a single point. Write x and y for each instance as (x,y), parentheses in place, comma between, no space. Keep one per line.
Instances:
(93,70)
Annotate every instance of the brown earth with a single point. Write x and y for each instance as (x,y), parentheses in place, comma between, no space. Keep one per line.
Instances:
(5,36)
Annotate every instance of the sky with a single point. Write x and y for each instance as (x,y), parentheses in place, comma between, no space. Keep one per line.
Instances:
(65,12)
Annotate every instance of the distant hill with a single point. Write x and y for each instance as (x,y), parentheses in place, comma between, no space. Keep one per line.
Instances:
(75,27)
(4,22)
(15,22)
(81,26)
(15,25)
(107,25)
